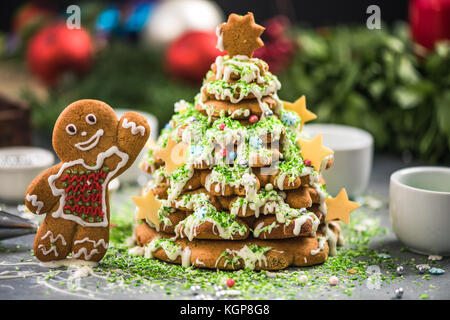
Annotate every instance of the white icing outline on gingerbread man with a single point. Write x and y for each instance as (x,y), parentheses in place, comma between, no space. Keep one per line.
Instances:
(134,129)
(53,239)
(34,202)
(87,145)
(95,243)
(99,163)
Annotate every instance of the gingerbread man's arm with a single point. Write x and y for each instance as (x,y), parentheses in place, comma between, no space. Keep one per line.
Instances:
(39,197)
(132,134)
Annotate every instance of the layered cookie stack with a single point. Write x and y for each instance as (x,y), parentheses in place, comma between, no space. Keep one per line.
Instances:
(234,183)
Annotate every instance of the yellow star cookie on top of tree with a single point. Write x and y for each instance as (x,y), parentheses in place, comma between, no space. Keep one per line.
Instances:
(147,207)
(241,35)
(174,155)
(299,106)
(314,151)
(340,207)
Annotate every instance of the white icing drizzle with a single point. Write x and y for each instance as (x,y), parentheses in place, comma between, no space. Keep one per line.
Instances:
(46,252)
(241,177)
(264,86)
(82,272)
(250,73)
(84,251)
(99,163)
(324,162)
(134,129)
(172,250)
(329,236)
(186,257)
(91,142)
(199,262)
(136,251)
(261,228)
(34,201)
(176,186)
(95,243)
(219,35)
(239,112)
(248,256)
(54,239)
(193,221)
(323,196)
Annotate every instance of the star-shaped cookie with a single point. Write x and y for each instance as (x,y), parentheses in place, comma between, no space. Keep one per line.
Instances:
(314,150)
(241,35)
(174,155)
(340,207)
(147,207)
(299,106)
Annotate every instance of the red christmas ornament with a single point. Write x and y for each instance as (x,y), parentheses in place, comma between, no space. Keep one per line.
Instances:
(429,21)
(230,283)
(307,162)
(222,126)
(190,56)
(57,49)
(224,152)
(253,119)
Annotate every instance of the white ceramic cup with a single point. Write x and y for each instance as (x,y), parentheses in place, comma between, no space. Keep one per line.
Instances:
(419,207)
(132,174)
(353,154)
(18,167)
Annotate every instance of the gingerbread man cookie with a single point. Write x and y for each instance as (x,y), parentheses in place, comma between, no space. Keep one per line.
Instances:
(94,147)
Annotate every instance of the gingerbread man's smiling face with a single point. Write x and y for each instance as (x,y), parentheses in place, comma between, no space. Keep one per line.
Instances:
(83,130)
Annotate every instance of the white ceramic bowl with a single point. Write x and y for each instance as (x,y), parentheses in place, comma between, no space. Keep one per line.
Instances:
(419,207)
(18,167)
(353,154)
(132,174)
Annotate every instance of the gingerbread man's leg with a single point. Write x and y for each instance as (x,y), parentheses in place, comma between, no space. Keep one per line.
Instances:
(53,239)
(90,243)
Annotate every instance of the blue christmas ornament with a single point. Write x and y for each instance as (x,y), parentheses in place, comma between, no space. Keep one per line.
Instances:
(108,20)
(255,142)
(139,16)
(232,155)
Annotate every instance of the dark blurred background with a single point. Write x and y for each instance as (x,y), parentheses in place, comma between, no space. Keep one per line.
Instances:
(315,13)
(393,81)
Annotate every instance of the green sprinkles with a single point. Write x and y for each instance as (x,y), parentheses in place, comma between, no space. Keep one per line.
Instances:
(152,275)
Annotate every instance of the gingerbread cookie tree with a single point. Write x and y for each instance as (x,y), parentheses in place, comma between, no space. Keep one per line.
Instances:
(234,183)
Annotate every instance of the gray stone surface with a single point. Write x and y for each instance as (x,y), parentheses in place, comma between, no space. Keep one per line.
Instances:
(30,287)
